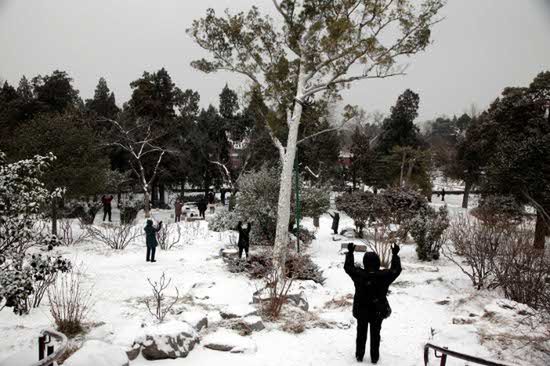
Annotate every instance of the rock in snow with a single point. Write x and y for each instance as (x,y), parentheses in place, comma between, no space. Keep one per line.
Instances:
(228,341)
(173,339)
(232,312)
(197,320)
(254,323)
(98,353)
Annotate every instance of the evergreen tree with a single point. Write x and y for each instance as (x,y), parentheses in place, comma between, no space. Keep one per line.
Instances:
(399,129)
(79,167)
(103,104)
(55,92)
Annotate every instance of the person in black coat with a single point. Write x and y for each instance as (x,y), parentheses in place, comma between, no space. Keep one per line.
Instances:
(202,205)
(244,238)
(335,222)
(151,239)
(370,303)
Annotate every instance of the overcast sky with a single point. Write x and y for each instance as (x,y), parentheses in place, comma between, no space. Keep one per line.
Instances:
(480,48)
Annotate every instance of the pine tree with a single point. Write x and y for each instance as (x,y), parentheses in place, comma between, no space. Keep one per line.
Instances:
(103,104)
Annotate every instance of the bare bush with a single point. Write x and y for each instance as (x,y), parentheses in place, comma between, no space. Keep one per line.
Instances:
(169,236)
(522,271)
(474,248)
(68,236)
(278,288)
(381,241)
(259,265)
(115,237)
(159,306)
(70,302)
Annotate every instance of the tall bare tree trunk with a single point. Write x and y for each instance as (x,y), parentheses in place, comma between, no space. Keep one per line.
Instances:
(466,197)
(540,231)
(285,190)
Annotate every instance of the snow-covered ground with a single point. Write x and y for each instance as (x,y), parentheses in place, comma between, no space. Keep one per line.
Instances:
(431,302)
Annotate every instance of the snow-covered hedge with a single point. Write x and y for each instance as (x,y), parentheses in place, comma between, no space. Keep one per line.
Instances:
(22,195)
(427,229)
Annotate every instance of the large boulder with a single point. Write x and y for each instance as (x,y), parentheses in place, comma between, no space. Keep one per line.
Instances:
(98,353)
(254,323)
(171,340)
(228,341)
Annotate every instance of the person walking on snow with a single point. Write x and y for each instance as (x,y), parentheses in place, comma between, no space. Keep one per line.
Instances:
(151,239)
(335,222)
(106,201)
(370,303)
(244,238)
(178,207)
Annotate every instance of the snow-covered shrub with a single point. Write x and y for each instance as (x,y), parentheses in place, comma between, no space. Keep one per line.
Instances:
(22,196)
(521,270)
(361,207)
(128,211)
(402,204)
(259,265)
(223,220)
(257,203)
(305,236)
(159,306)
(82,210)
(70,302)
(44,271)
(116,237)
(15,289)
(169,236)
(473,248)
(427,229)
(499,210)
(315,202)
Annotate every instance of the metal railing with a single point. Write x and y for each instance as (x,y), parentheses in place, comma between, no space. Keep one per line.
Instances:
(47,353)
(445,352)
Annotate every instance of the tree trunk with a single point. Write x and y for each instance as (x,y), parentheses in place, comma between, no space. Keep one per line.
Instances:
(540,231)
(467,188)
(162,200)
(54,216)
(146,203)
(285,191)
(316,221)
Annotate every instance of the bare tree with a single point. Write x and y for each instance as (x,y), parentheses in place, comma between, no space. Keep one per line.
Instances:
(140,141)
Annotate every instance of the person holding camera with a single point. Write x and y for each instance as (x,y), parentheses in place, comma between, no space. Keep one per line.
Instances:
(151,239)
(370,303)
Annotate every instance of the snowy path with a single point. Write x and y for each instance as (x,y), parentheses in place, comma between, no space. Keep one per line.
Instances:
(120,282)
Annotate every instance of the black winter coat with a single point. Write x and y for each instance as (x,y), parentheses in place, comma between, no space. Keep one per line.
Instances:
(371,288)
(151,234)
(244,235)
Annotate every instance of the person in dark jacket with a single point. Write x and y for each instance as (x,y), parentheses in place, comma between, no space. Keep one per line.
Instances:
(106,201)
(151,239)
(443,194)
(370,303)
(335,222)
(202,205)
(244,238)
(178,207)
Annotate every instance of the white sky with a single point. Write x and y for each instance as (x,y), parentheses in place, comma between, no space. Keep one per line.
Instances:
(480,48)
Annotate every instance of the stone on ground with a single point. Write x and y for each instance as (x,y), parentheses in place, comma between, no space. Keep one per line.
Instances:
(228,341)
(171,340)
